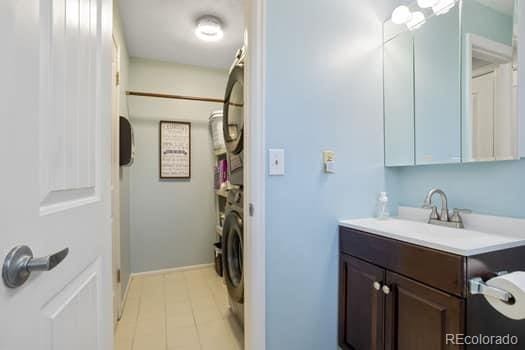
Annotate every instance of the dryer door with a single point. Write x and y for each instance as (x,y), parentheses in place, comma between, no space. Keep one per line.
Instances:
(232,246)
(233,111)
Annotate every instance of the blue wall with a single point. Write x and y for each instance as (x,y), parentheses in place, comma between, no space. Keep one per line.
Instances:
(496,188)
(324,91)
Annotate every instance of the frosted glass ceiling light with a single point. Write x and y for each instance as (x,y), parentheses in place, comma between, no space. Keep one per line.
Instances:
(209,28)
(443,6)
(418,19)
(427,3)
(401,15)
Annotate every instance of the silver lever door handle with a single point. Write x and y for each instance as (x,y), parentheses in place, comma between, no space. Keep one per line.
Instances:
(19,264)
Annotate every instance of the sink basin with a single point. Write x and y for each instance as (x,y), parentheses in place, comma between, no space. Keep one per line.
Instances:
(463,242)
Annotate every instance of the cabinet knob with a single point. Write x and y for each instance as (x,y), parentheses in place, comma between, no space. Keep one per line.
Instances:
(377,286)
(386,290)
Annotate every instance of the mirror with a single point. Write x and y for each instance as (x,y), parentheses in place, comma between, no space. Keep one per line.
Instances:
(450,84)
(490,119)
(398,100)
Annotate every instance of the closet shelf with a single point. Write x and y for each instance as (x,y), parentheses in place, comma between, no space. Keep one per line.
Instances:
(222,193)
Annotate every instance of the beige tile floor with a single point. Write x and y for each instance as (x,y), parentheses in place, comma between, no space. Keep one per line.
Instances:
(178,311)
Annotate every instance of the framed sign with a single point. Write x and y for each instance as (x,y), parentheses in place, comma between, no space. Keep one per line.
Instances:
(174,150)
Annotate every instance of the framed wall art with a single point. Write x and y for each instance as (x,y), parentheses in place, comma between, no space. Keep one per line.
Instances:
(174,150)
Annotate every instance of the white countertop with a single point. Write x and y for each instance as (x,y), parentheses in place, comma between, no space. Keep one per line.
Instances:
(457,241)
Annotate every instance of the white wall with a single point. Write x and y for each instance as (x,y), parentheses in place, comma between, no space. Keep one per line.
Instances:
(172,222)
(124,171)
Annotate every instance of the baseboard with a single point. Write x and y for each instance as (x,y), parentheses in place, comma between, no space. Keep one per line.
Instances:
(174,269)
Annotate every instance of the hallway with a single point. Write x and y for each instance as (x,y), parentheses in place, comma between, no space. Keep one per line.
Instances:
(178,311)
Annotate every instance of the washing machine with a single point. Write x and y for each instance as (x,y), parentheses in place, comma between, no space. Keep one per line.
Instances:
(233,119)
(232,250)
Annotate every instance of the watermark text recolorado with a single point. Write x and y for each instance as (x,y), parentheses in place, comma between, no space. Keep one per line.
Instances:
(481,339)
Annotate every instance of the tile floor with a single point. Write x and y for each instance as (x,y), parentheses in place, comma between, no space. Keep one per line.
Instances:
(178,311)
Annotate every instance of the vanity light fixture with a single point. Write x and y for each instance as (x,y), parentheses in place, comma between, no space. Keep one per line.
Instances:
(209,28)
(418,19)
(443,6)
(401,15)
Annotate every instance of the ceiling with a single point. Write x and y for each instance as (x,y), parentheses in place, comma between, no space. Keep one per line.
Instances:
(164,30)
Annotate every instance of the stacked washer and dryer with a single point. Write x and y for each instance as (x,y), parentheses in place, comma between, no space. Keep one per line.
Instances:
(233,233)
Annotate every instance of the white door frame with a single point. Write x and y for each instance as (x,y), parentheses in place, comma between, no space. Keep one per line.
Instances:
(255,238)
(115,181)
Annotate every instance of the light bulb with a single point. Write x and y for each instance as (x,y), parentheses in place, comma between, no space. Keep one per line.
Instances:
(427,3)
(418,19)
(401,15)
(443,6)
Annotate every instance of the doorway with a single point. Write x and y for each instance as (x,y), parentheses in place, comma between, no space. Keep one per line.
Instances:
(175,287)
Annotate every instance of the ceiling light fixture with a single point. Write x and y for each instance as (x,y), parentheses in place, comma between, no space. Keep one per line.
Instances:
(418,19)
(401,15)
(209,28)
(443,6)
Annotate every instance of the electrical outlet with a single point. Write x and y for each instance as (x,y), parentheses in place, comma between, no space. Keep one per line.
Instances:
(329,162)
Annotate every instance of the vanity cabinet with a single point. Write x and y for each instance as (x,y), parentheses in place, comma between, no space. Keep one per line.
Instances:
(419,317)
(380,309)
(361,307)
(395,295)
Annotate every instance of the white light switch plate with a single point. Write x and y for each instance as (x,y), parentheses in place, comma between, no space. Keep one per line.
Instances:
(276,160)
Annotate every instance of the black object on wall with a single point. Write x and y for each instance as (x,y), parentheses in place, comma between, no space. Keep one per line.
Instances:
(127,144)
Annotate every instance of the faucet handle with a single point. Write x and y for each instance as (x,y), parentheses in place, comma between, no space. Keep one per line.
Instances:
(456,215)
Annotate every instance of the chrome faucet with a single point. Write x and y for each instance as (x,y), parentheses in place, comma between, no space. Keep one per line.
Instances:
(443,218)
(444,205)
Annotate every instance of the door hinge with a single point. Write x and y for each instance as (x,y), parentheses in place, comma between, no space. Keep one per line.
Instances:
(251,209)
(117,79)
(118,276)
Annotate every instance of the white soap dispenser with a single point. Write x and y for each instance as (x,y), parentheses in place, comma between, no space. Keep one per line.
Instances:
(383,212)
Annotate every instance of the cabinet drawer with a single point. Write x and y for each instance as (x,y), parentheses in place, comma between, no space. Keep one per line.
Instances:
(435,268)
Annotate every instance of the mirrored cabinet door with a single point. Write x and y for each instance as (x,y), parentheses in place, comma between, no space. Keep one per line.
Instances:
(451,83)
(437,90)
(490,80)
(398,100)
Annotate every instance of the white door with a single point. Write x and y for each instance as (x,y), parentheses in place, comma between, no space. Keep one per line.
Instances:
(483,117)
(55,109)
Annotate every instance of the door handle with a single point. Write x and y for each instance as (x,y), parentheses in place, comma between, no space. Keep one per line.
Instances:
(19,264)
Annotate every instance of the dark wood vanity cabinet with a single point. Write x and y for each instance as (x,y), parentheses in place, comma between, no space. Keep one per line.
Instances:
(361,308)
(395,295)
(406,315)
(419,317)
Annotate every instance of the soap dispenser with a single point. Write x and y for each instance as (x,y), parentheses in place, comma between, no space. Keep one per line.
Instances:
(383,212)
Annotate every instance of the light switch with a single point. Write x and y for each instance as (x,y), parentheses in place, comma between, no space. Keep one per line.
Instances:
(276,159)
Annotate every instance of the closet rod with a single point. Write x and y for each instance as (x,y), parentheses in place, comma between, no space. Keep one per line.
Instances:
(179,97)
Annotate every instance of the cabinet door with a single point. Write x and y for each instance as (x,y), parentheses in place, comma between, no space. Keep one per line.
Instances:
(420,317)
(361,306)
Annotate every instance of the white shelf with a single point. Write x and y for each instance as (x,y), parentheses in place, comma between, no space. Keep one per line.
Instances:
(218,229)
(222,193)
